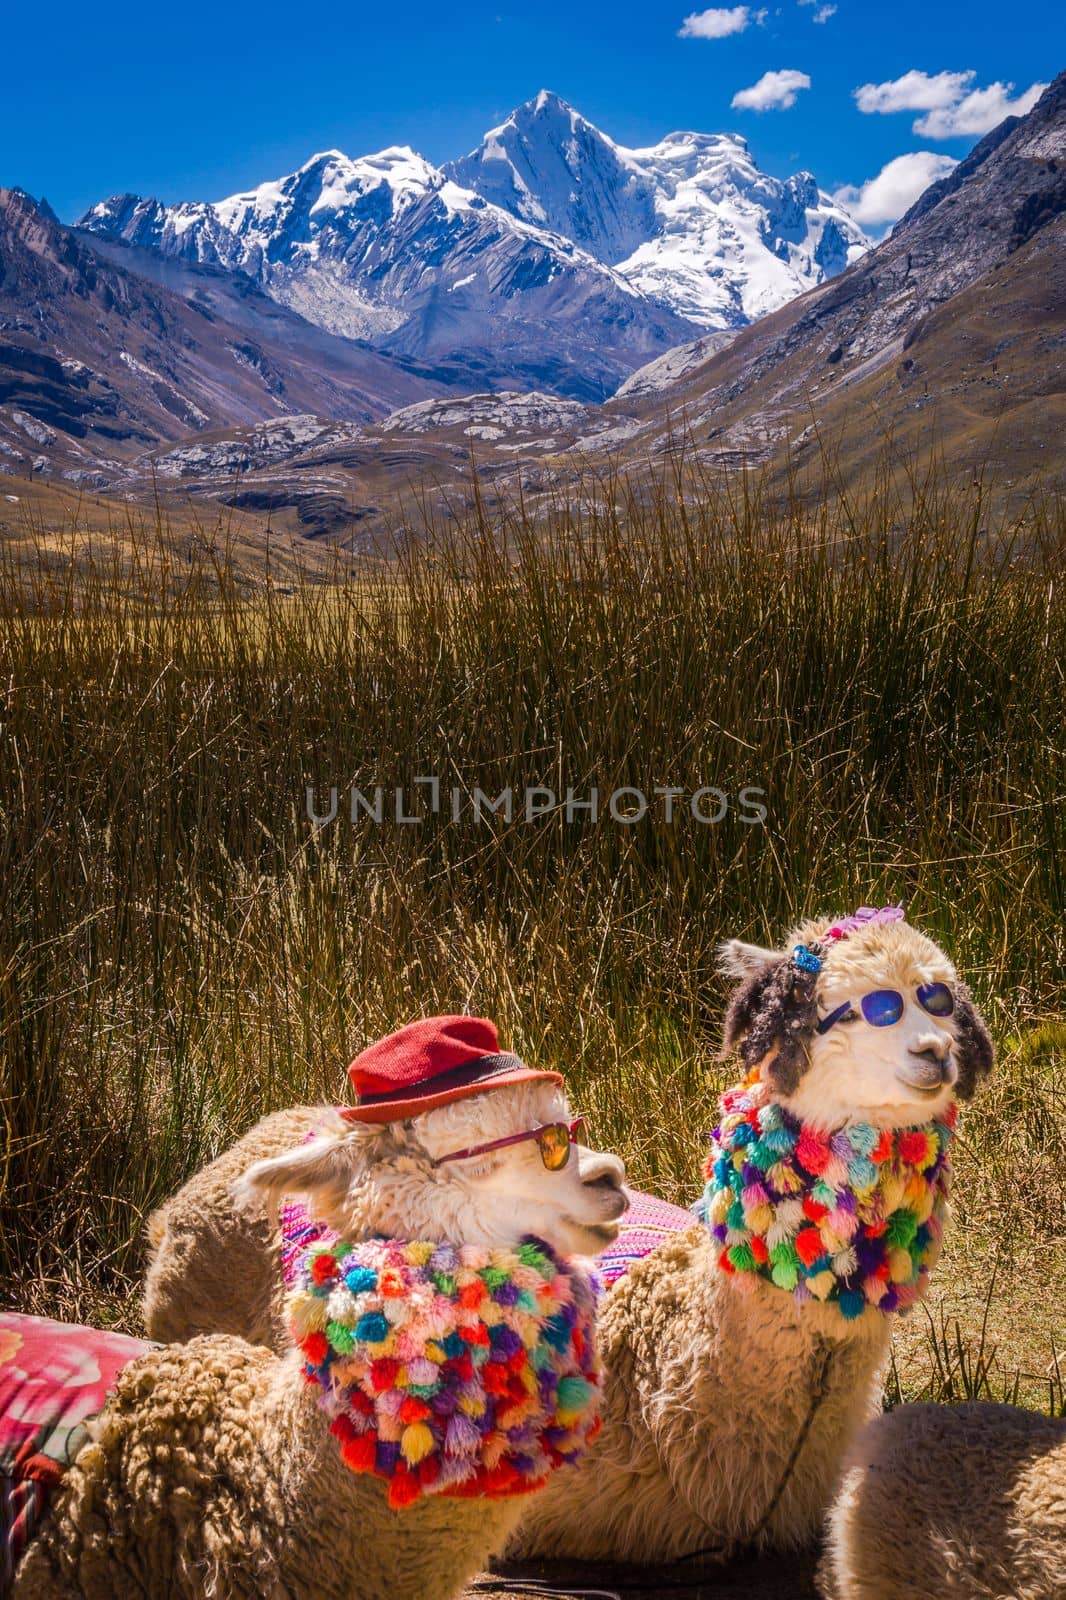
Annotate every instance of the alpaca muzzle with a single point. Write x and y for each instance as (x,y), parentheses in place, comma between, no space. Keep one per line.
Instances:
(929,1067)
(604,1175)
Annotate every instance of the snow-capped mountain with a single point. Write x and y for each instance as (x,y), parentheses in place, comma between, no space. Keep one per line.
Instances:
(390,250)
(690,221)
(550,255)
(551,167)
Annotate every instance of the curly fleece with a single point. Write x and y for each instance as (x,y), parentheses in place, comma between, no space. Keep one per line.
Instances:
(964,1502)
(212,1476)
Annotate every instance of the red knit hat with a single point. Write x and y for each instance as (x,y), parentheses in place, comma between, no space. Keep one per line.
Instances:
(428,1063)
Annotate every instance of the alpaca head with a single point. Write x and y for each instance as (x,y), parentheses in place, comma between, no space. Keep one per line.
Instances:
(891,1076)
(363,1179)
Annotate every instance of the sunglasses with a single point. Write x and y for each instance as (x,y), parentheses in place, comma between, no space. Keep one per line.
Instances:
(883,1007)
(553,1140)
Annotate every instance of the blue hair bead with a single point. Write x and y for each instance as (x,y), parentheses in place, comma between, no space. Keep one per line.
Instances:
(806,959)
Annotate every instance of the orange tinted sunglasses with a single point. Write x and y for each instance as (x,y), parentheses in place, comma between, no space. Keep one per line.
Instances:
(553,1139)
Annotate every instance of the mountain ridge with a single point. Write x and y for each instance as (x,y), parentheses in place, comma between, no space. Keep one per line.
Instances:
(947,336)
(676,206)
(428,262)
(99,363)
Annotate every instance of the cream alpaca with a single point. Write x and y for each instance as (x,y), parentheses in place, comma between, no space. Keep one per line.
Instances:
(212,1470)
(711,1390)
(728,1403)
(963,1502)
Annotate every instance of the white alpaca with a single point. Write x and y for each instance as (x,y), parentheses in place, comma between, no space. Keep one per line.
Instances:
(212,1470)
(727,1407)
(963,1502)
(729,1403)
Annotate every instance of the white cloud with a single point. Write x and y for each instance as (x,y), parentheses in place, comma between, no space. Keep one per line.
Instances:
(978,112)
(896,187)
(720,22)
(915,91)
(953,108)
(775,91)
(824,13)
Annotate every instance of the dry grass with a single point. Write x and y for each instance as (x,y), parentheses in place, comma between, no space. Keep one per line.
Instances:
(180,950)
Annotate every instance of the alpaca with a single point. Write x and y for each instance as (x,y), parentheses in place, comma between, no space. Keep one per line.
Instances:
(742,1356)
(214,1469)
(728,1401)
(966,1502)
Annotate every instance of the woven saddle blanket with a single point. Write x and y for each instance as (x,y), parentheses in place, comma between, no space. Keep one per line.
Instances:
(54,1378)
(646,1223)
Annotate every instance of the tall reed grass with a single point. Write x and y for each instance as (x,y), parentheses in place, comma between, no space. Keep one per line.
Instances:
(181,949)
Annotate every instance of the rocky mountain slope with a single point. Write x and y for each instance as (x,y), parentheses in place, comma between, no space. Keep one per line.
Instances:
(99,363)
(951,325)
(550,257)
(949,333)
(389,250)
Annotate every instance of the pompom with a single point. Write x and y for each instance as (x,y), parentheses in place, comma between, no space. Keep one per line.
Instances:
(852,1218)
(316,1348)
(372,1328)
(417,1442)
(359,1453)
(323,1267)
(449,1372)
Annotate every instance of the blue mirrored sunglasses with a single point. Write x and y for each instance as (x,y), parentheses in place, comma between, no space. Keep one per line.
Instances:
(882,1007)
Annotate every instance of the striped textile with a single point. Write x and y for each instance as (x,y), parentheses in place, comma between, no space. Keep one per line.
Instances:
(23,1503)
(647,1223)
(298,1229)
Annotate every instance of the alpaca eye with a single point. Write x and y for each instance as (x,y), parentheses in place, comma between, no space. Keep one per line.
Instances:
(850,1016)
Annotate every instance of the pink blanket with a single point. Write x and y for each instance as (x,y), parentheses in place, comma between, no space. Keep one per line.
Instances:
(54,1378)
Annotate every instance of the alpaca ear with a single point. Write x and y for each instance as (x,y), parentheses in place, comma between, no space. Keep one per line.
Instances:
(322,1169)
(739,960)
(749,998)
(771,1018)
(974,1051)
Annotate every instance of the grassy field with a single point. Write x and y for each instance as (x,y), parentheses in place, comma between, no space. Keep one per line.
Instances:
(181,949)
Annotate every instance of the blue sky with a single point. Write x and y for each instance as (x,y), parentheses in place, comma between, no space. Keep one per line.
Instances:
(199,101)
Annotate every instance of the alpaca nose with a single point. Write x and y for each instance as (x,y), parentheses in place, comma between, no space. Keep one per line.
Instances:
(603,1172)
(931,1064)
(934,1047)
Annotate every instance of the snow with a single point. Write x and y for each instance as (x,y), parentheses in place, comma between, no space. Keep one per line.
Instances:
(452,198)
(461,283)
(733,244)
(184,219)
(690,222)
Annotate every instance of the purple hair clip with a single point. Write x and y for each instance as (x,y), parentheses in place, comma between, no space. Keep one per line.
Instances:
(866,916)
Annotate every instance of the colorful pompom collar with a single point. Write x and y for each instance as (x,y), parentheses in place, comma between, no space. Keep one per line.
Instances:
(449,1371)
(853,1218)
